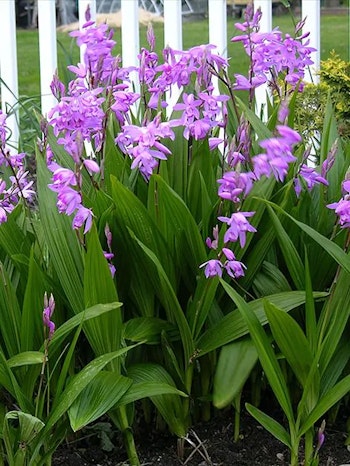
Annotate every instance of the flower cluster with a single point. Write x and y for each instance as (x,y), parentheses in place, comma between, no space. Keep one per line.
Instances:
(310,177)
(278,154)
(342,207)
(67,185)
(272,54)
(99,64)
(178,69)
(101,85)
(142,144)
(14,183)
(200,115)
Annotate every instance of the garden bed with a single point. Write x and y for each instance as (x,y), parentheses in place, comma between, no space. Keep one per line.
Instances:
(255,448)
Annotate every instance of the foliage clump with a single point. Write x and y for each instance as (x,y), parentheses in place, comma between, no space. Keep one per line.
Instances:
(335,83)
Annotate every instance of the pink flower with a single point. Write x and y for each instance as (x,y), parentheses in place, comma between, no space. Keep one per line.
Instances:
(49,307)
(68,200)
(213,244)
(91,166)
(310,178)
(238,227)
(82,216)
(213,268)
(235,186)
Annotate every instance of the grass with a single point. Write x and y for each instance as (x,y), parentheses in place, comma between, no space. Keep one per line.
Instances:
(334,36)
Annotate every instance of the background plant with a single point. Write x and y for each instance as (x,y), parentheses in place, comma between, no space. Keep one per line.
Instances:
(311,106)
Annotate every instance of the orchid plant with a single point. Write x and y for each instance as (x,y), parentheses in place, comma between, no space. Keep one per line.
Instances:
(160,188)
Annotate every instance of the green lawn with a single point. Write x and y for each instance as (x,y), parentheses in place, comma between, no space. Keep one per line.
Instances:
(334,36)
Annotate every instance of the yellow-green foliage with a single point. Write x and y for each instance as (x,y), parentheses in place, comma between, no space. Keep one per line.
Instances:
(335,81)
(335,73)
(310,108)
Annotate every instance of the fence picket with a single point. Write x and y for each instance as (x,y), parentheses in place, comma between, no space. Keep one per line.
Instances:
(130,37)
(47,51)
(173,24)
(8,67)
(217,12)
(311,10)
(262,92)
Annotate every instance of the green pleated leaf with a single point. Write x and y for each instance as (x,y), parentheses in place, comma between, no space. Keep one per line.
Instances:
(9,382)
(169,406)
(172,361)
(330,399)
(202,182)
(336,366)
(330,134)
(115,163)
(310,312)
(177,165)
(134,269)
(331,248)
(257,256)
(141,390)
(90,313)
(233,326)
(170,302)
(258,125)
(103,392)
(19,427)
(267,357)
(262,188)
(270,280)
(13,240)
(104,334)
(289,251)
(176,223)
(33,304)
(26,358)
(201,304)
(291,341)
(272,426)
(234,366)
(62,243)
(79,382)
(148,329)
(28,425)
(131,213)
(10,315)
(334,318)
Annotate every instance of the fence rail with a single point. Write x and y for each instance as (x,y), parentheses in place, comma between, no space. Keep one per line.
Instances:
(217,15)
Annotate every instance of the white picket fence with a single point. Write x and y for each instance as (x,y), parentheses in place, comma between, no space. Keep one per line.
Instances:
(217,18)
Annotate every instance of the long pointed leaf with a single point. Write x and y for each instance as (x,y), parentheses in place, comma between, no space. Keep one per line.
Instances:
(171,303)
(233,325)
(290,253)
(326,402)
(291,341)
(270,425)
(103,392)
(234,366)
(169,405)
(333,249)
(104,334)
(267,357)
(64,249)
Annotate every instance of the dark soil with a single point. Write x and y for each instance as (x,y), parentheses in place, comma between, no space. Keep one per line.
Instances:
(208,444)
